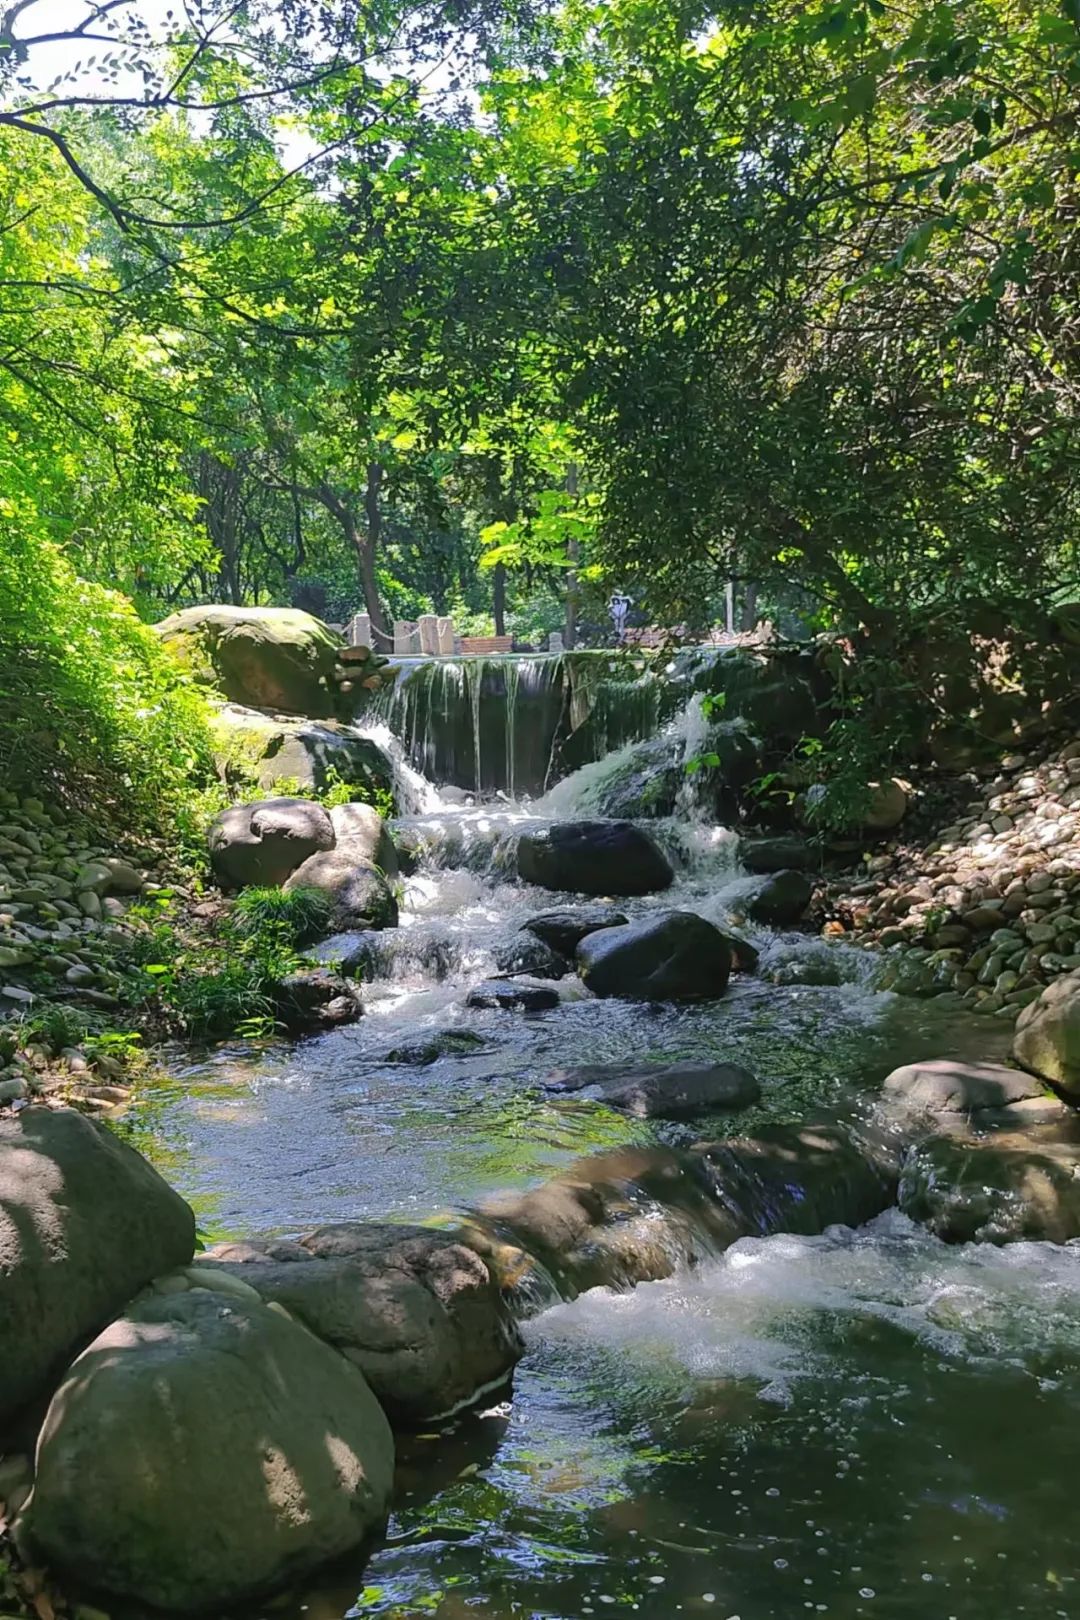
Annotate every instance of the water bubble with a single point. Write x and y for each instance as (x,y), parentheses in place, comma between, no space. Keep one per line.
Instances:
(867,1591)
(708,1597)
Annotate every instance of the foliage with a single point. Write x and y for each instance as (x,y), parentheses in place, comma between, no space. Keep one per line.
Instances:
(301,915)
(212,986)
(94,711)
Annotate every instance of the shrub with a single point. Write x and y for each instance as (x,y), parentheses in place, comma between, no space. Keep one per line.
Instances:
(95,713)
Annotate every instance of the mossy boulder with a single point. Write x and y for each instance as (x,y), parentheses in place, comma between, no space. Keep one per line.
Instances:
(250,746)
(268,658)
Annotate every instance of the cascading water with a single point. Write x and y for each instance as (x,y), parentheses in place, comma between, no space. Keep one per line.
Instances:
(514,725)
(853,1424)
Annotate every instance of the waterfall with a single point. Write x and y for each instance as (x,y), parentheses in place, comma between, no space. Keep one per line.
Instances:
(514,725)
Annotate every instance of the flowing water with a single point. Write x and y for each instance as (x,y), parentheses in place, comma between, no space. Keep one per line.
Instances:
(860,1423)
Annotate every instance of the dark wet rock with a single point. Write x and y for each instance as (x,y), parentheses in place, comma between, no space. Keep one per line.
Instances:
(593,857)
(315,998)
(513,995)
(668,956)
(564,930)
(443,1043)
(413,1308)
(266,841)
(779,854)
(816,963)
(961,1090)
(744,956)
(781,898)
(1047,1037)
(205,1450)
(527,954)
(663,1091)
(85,1222)
(999,1188)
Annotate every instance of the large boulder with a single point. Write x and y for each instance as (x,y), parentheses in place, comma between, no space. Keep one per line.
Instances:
(358,892)
(669,956)
(1047,1037)
(593,857)
(564,929)
(268,749)
(203,1451)
(264,842)
(1001,1188)
(663,1091)
(414,1309)
(85,1222)
(359,829)
(777,854)
(354,874)
(958,1092)
(265,658)
(779,898)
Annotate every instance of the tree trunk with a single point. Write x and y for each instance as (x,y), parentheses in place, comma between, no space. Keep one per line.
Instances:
(749,610)
(498,598)
(573,551)
(367,547)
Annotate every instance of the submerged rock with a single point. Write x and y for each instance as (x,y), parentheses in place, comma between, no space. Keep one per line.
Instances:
(1048,1035)
(266,841)
(564,930)
(1000,1188)
(638,1214)
(663,1091)
(668,956)
(513,995)
(594,857)
(416,1310)
(85,1222)
(203,1451)
(444,1043)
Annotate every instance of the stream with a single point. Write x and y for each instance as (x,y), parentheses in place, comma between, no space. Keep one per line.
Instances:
(861,1423)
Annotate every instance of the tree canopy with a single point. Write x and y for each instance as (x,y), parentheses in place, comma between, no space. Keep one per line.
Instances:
(477,307)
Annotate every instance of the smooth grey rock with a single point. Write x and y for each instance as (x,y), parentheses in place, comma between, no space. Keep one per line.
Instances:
(564,929)
(513,995)
(666,956)
(204,1450)
(594,857)
(664,1091)
(265,842)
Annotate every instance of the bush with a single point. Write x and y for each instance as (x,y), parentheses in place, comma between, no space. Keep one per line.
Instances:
(95,713)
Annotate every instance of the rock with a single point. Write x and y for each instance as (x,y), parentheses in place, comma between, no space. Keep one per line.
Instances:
(775,854)
(593,857)
(265,842)
(203,1451)
(564,930)
(887,807)
(1047,1040)
(995,1189)
(413,1308)
(780,898)
(513,995)
(357,890)
(668,956)
(942,1087)
(268,749)
(123,877)
(638,1214)
(361,831)
(527,954)
(85,1222)
(264,658)
(444,1043)
(664,1091)
(314,998)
